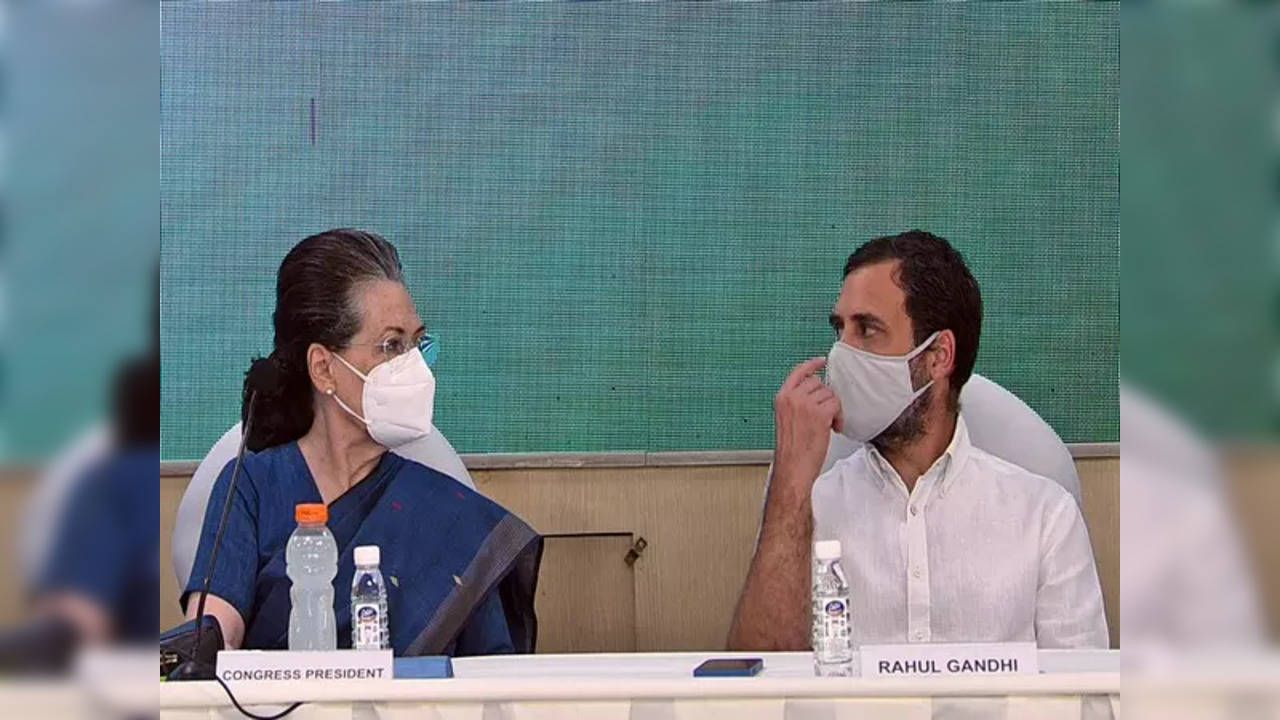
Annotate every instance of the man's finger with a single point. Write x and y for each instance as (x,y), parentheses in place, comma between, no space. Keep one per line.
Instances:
(802,371)
(809,386)
(823,394)
(832,404)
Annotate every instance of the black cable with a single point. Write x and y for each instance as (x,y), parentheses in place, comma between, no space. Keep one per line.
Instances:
(222,522)
(246,713)
(213,563)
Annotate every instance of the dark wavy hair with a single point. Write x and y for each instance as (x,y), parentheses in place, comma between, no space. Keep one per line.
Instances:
(315,303)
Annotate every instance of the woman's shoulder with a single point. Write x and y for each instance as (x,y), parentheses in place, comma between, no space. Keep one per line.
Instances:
(429,479)
(275,461)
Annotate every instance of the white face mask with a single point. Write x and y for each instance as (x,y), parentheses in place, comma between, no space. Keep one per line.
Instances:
(873,389)
(399,396)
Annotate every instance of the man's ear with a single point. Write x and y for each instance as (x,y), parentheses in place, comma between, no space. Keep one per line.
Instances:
(942,356)
(320,367)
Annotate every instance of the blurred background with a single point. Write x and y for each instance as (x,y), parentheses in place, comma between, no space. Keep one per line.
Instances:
(79,368)
(1199,353)
(1200,359)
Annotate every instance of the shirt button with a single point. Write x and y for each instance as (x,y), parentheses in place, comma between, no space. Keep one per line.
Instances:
(916,573)
(914,511)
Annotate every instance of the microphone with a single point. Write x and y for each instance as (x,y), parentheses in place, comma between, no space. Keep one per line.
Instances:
(199,665)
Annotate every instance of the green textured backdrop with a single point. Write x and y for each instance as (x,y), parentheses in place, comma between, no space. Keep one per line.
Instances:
(628,221)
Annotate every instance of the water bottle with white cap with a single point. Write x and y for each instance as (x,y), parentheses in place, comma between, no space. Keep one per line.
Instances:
(370,628)
(832,644)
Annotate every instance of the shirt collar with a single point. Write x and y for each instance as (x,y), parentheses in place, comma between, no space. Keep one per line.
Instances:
(950,462)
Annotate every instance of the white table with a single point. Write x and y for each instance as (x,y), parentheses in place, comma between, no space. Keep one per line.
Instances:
(1072,684)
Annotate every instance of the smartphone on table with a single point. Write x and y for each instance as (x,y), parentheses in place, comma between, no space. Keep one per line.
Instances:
(729,667)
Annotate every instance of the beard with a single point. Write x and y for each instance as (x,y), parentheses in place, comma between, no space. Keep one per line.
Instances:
(909,426)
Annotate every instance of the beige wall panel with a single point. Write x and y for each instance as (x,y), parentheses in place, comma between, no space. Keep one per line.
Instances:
(1100,501)
(1256,495)
(15,489)
(586,599)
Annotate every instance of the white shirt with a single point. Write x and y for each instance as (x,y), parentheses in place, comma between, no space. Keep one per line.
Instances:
(981,551)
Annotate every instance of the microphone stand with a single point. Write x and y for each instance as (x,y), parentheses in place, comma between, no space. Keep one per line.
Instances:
(196,668)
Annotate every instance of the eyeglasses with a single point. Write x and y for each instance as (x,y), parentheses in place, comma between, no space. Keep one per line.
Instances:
(395,346)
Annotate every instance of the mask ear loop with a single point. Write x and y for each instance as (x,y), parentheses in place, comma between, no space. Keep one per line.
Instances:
(928,343)
(331,393)
(352,368)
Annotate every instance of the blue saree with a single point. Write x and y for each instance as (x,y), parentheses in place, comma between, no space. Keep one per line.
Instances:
(461,571)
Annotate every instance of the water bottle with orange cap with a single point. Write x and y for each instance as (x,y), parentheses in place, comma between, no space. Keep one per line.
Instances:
(311,560)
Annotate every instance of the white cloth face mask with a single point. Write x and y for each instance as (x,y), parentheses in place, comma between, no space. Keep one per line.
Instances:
(873,389)
(399,397)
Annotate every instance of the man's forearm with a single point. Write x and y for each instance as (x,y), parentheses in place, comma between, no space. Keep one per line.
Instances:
(773,612)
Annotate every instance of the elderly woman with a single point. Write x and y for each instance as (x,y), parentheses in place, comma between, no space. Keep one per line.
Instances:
(346,381)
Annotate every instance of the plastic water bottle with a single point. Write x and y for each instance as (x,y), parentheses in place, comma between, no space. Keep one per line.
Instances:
(832,645)
(369,624)
(311,559)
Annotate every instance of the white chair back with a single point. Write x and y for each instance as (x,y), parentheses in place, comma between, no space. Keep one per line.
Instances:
(42,517)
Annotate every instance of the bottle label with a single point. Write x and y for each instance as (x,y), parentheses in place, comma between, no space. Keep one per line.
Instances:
(831,629)
(368,626)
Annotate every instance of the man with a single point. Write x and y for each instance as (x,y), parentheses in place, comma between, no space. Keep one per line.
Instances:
(941,541)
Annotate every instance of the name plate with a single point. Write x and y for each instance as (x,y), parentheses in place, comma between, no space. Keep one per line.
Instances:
(948,659)
(240,666)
